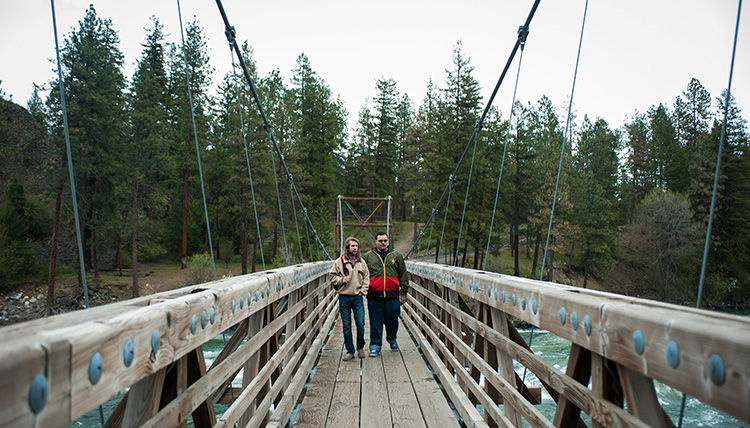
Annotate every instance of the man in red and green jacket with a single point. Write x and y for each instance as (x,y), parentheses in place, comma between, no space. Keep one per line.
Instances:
(389,284)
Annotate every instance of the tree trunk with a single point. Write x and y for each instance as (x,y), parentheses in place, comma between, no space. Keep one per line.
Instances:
(53,253)
(275,241)
(243,240)
(94,256)
(550,270)
(516,253)
(118,255)
(184,216)
(586,272)
(218,240)
(536,255)
(463,257)
(255,244)
(570,258)
(134,243)
(477,256)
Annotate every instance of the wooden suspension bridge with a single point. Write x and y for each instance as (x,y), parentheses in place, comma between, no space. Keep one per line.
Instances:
(455,366)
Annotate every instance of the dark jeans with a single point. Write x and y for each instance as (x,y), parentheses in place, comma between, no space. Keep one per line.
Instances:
(383,312)
(356,305)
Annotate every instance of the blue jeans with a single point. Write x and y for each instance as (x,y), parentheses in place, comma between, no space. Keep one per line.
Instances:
(356,305)
(383,312)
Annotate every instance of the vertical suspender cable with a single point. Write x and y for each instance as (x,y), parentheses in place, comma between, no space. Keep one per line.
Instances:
(247,159)
(296,225)
(281,213)
(445,217)
(388,220)
(466,199)
(71,174)
(82,264)
(230,33)
(341,227)
(195,134)
(307,232)
(722,139)
(505,146)
(427,250)
(478,127)
(565,137)
(559,167)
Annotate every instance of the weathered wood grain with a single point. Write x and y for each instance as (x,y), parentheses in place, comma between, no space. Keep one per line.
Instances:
(612,322)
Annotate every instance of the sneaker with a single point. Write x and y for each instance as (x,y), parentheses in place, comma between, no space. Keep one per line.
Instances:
(394,346)
(374,352)
(348,357)
(361,353)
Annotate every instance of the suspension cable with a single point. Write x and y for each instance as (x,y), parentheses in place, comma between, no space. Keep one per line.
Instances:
(427,250)
(247,159)
(480,122)
(341,227)
(281,213)
(466,199)
(71,174)
(722,140)
(559,167)
(445,217)
(505,145)
(296,225)
(309,247)
(66,127)
(231,37)
(195,134)
(565,137)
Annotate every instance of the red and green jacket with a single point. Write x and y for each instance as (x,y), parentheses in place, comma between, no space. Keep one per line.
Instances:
(388,276)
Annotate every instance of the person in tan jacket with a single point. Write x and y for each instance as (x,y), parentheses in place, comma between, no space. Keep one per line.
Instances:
(351,278)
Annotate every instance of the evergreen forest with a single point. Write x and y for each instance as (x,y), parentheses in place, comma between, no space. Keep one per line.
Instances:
(635,199)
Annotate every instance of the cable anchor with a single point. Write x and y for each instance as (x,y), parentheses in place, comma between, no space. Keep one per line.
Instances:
(523,32)
(230,33)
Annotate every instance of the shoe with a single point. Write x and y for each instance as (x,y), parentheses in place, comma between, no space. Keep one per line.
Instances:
(394,346)
(348,357)
(374,352)
(361,353)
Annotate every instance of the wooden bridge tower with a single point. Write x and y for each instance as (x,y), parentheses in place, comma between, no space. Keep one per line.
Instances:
(377,219)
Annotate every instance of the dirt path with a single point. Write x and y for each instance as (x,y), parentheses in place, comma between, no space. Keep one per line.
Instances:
(404,242)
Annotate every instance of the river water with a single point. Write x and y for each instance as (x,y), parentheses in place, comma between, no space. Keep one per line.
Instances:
(551,348)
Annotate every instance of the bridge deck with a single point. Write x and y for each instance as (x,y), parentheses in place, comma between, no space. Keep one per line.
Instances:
(393,389)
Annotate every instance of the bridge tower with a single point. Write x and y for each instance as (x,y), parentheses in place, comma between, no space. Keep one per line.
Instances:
(378,219)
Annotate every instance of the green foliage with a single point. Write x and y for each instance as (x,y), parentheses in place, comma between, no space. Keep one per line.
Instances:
(137,176)
(13,260)
(670,244)
(199,269)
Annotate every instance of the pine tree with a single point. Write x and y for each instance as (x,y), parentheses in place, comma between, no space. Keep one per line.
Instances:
(321,133)
(149,149)
(188,212)
(670,160)
(94,82)
(731,229)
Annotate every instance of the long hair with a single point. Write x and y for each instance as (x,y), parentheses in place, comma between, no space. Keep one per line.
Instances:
(347,255)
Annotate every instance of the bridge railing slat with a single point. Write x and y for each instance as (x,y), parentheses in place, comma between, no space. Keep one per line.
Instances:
(677,346)
(61,349)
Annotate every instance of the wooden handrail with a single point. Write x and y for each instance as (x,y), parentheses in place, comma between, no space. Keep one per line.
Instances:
(701,353)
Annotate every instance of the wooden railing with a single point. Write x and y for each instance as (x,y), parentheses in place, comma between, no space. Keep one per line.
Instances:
(56,369)
(619,347)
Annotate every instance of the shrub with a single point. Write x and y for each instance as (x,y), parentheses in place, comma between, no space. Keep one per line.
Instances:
(199,269)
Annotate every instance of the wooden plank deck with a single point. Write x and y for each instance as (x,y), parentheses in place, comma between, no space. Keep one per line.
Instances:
(395,389)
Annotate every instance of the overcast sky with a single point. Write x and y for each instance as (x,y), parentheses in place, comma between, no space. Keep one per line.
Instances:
(635,53)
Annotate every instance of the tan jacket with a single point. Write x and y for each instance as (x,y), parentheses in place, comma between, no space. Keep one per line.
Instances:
(359,277)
